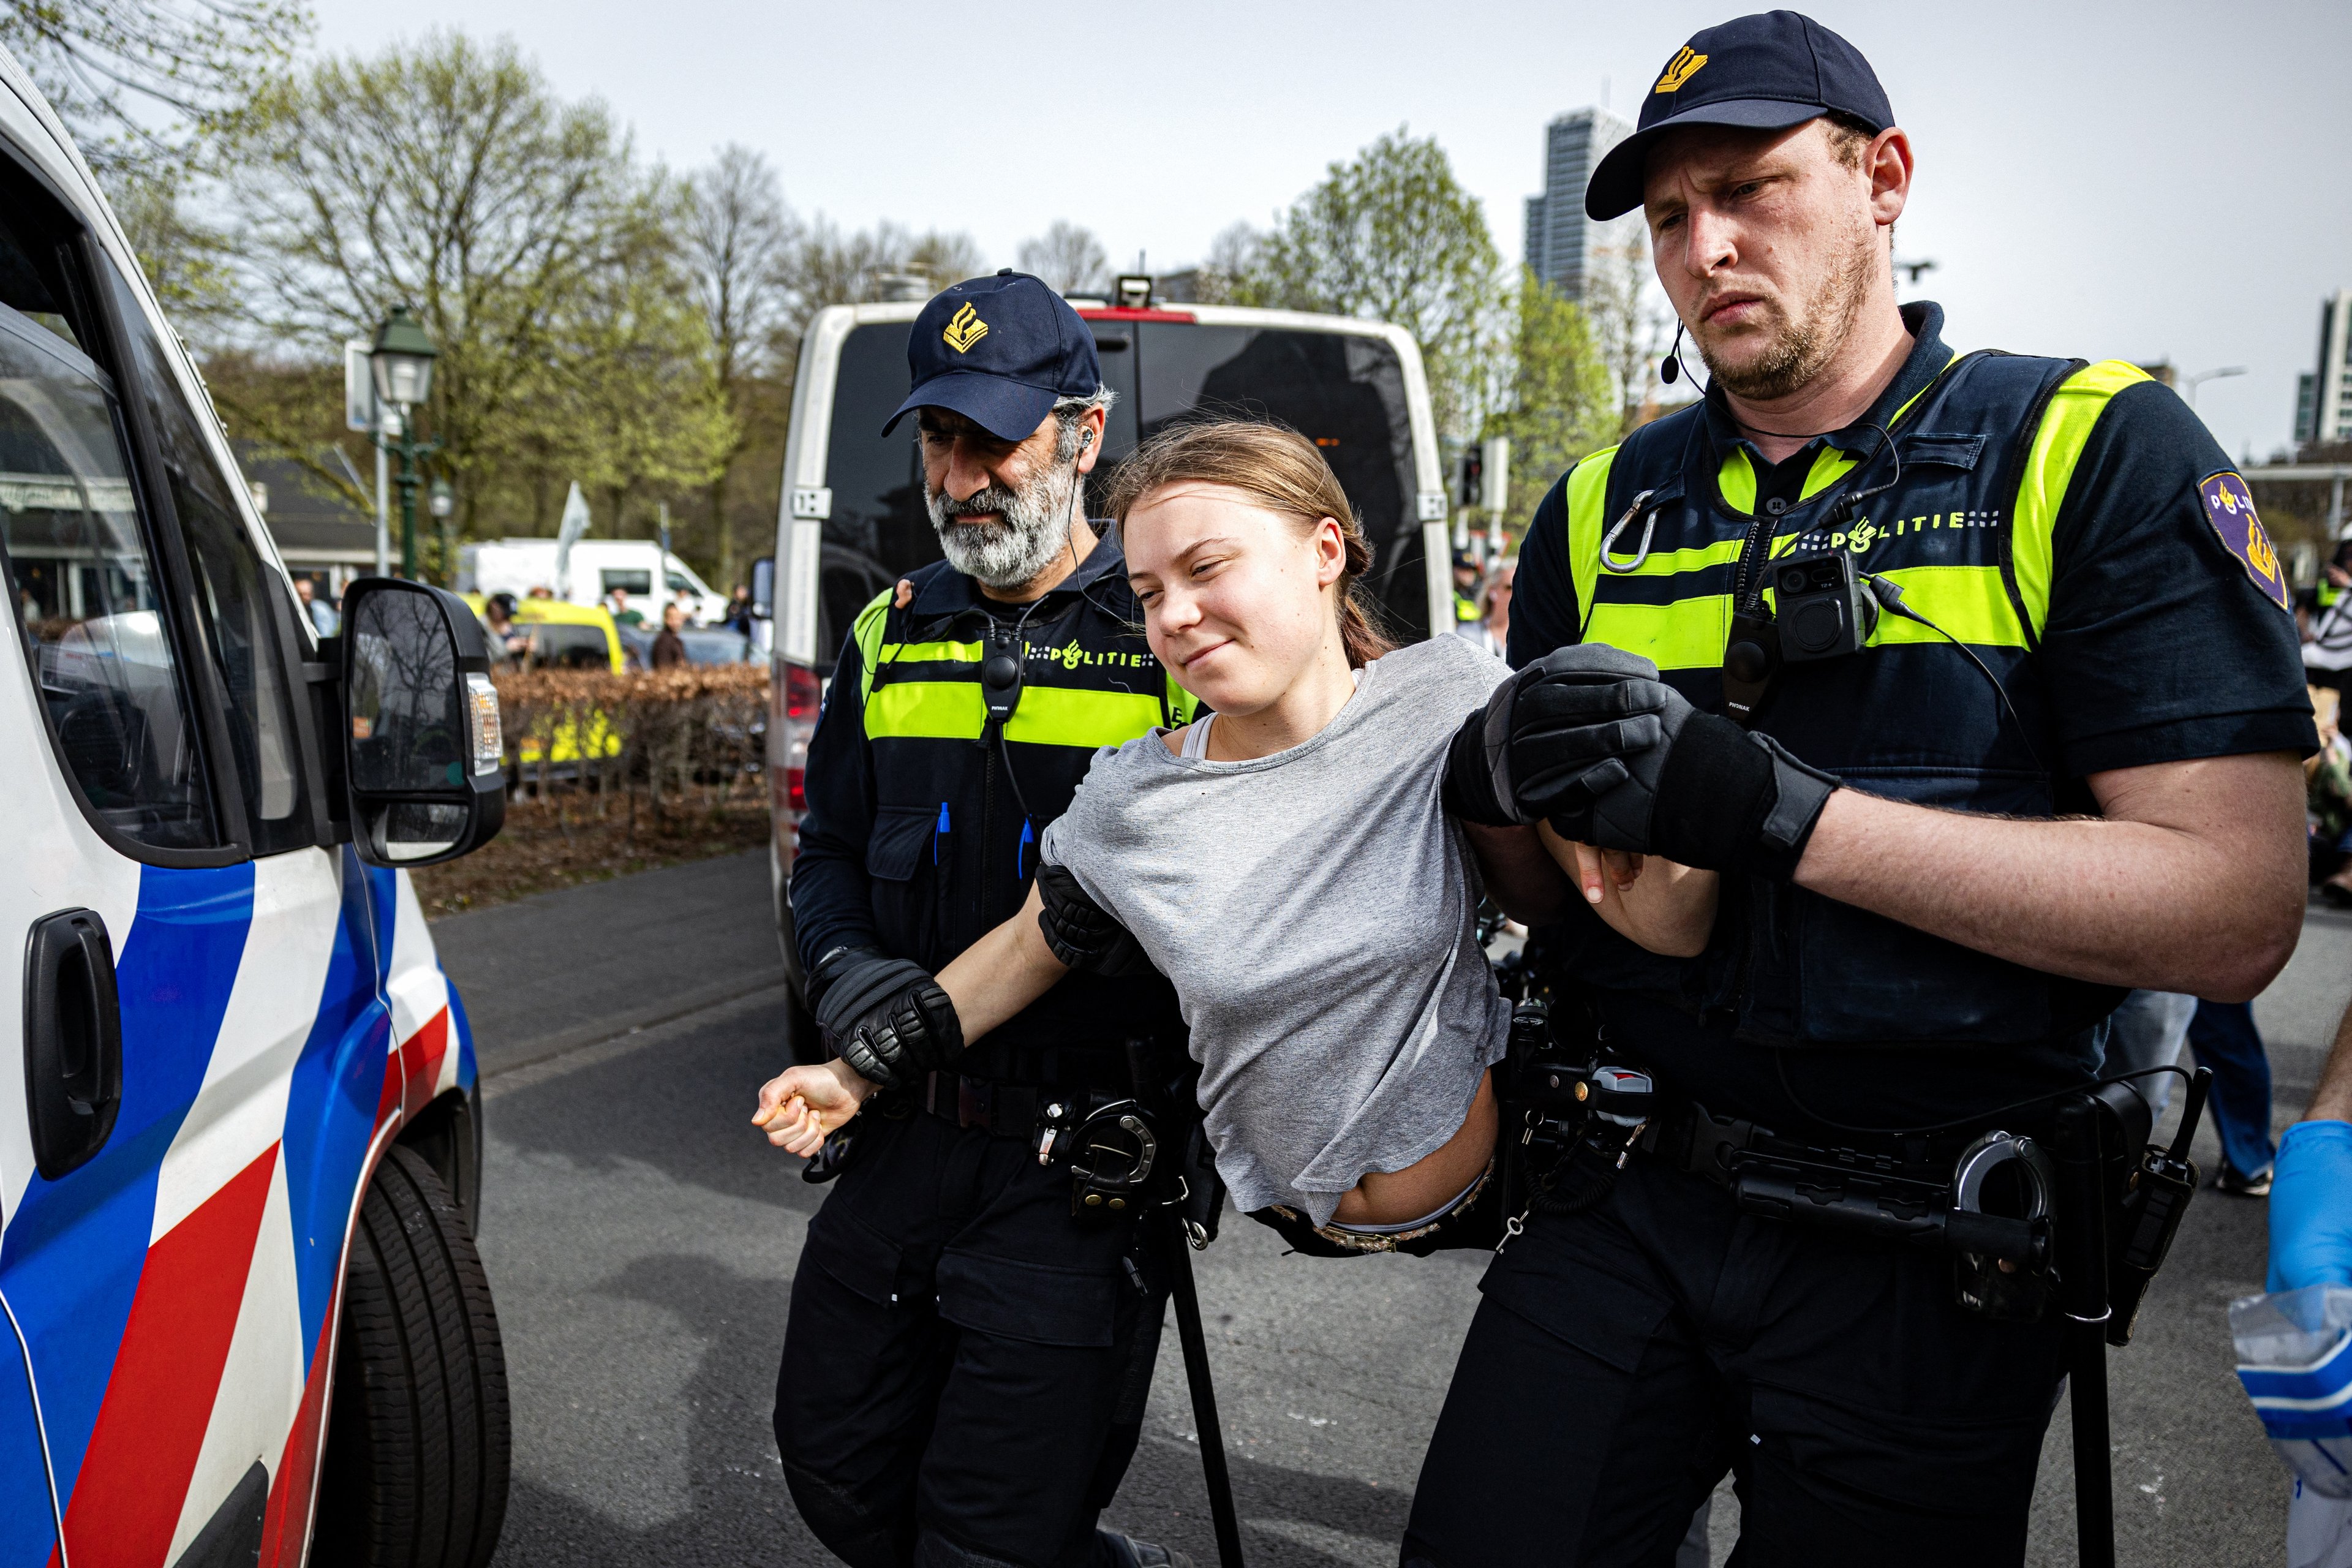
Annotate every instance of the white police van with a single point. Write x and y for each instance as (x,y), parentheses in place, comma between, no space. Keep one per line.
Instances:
(851,518)
(241,1316)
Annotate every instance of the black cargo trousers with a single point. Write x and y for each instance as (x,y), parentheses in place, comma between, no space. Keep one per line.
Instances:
(966,1364)
(1623,1359)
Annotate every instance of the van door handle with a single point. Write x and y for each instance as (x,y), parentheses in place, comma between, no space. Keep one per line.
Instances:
(73,1040)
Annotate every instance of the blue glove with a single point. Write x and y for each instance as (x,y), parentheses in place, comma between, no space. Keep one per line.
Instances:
(2311,1206)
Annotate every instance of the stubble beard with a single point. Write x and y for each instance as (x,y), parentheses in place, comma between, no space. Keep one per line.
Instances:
(1032,526)
(1800,349)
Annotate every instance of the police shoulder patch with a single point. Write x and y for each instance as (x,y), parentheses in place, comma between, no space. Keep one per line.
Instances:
(2230,508)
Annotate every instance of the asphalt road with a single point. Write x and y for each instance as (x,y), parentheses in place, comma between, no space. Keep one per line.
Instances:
(640,1239)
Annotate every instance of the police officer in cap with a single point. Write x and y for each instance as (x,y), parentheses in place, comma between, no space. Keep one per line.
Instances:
(965,1363)
(1974,677)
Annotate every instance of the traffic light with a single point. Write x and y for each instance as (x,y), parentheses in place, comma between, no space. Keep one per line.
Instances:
(1470,481)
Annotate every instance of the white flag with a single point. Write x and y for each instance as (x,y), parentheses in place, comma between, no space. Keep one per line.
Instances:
(575,523)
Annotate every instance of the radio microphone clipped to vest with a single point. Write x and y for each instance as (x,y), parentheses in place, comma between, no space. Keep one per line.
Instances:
(1670,369)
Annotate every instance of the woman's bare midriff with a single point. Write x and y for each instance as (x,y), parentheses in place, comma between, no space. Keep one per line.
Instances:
(1398,1197)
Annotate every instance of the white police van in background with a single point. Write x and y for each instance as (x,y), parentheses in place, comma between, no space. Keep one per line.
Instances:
(240,1308)
(852,519)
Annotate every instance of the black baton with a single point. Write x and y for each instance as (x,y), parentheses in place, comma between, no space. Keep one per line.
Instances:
(2082,1249)
(1204,1392)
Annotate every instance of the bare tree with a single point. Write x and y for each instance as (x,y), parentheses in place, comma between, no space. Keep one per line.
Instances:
(738,239)
(831,267)
(1067,260)
(136,79)
(1630,324)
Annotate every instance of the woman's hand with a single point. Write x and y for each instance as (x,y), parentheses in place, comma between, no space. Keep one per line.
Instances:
(1672,910)
(1597,871)
(798,1108)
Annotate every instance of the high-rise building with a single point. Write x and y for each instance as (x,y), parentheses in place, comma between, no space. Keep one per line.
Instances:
(1560,239)
(2323,398)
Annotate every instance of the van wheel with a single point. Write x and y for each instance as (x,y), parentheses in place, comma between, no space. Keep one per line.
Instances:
(416,1472)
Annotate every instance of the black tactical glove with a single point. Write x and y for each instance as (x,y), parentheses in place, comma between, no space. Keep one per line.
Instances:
(1613,757)
(1546,728)
(1082,933)
(887,1016)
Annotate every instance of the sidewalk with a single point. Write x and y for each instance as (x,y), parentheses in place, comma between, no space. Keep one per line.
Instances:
(566,967)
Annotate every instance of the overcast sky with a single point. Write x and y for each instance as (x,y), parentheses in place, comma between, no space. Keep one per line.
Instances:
(2156,181)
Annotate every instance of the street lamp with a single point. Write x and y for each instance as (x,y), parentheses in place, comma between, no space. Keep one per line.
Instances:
(441,502)
(2209,375)
(401,360)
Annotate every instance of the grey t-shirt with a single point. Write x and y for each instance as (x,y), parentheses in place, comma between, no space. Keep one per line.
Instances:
(1317,911)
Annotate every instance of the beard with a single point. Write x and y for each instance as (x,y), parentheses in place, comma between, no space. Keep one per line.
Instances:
(1799,349)
(1032,526)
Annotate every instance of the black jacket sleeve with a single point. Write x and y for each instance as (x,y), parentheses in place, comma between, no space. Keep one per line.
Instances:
(1544,612)
(833,903)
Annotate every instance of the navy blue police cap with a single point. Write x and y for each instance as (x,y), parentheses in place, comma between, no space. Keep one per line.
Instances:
(1000,352)
(1764,72)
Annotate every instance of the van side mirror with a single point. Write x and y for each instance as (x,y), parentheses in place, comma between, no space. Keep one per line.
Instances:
(763,588)
(422,745)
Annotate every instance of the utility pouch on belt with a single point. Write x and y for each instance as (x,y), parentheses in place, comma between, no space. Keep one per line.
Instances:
(1568,1118)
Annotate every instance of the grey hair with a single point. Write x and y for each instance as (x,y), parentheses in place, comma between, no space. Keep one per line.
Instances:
(1070,414)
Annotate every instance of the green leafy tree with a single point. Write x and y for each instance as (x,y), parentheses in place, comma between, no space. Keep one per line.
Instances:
(1553,397)
(447,175)
(1392,235)
(636,370)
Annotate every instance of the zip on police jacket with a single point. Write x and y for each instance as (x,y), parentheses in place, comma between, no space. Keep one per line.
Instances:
(922,826)
(2073,525)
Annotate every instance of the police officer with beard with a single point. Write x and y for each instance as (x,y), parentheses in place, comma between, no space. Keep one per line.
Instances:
(1973,677)
(965,1363)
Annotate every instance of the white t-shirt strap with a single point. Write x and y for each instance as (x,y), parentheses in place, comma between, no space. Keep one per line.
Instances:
(1196,738)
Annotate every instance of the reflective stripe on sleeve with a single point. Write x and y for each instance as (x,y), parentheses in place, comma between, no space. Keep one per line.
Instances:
(2066,427)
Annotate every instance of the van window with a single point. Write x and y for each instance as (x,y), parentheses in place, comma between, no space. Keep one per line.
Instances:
(879,530)
(240,596)
(86,590)
(629,581)
(569,648)
(1343,391)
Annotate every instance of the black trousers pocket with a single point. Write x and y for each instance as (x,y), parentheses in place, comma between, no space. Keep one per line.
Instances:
(1037,1303)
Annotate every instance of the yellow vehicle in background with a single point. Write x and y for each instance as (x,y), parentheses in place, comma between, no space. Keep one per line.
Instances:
(565,637)
(569,636)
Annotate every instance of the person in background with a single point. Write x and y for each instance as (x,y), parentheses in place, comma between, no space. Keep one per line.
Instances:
(2224,1038)
(2328,643)
(618,601)
(739,609)
(2146,1034)
(2327,800)
(669,648)
(1466,597)
(322,615)
(543,591)
(1495,610)
(507,641)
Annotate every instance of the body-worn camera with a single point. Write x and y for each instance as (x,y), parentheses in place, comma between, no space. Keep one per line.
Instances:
(1823,608)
